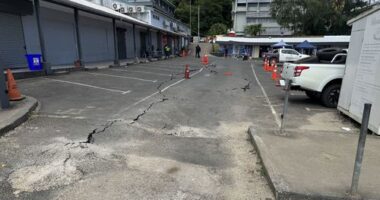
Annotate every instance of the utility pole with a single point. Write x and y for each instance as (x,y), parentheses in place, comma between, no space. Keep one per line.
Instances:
(190,18)
(198,23)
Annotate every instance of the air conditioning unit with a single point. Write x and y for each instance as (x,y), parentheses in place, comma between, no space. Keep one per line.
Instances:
(122,9)
(131,9)
(116,6)
(140,9)
(165,23)
(107,3)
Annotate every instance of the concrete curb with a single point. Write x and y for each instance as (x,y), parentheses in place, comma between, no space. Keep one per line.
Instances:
(279,187)
(20,116)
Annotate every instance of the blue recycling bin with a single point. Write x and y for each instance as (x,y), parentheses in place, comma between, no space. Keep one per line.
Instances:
(34,61)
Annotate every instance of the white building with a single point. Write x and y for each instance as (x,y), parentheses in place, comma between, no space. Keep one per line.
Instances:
(255,47)
(157,13)
(70,32)
(249,12)
(370,2)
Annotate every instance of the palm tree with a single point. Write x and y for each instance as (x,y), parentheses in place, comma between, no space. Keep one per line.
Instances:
(254,30)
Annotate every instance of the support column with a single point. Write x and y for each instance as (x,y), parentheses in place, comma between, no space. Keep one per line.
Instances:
(4,100)
(134,40)
(79,46)
(150,43)
(115,44)
(45,64)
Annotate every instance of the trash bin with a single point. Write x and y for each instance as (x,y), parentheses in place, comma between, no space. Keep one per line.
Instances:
(34,61)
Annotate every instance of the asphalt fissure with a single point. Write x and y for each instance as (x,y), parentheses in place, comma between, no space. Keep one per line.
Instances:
(90,137)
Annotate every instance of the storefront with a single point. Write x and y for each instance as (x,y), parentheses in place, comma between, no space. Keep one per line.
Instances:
(12,42)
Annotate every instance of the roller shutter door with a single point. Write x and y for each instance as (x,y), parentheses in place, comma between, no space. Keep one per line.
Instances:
(12,44)
(96,40)
(60,39)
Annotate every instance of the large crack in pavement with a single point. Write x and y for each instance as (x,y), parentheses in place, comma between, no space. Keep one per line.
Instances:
(163,99)
(147,109)
(91,136)
(246,87)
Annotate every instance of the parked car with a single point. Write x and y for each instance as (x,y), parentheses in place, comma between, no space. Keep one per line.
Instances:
(319,79)
(285,55)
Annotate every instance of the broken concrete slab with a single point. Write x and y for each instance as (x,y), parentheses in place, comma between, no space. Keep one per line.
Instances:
(315,164)
(16,114)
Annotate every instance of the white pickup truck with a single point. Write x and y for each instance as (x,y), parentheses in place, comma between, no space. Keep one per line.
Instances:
(319,79)
(285,55)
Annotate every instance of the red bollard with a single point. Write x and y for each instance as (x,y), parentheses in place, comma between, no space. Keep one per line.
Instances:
(187,72)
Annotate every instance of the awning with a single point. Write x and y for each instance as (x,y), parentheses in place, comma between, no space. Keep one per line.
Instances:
(305,45)
(281,44)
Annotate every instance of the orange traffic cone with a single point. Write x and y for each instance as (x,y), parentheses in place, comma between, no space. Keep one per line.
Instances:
(206,59)
(267,67)
(272,66)
(187,72)
(264,63)
(274,73)
(13,93)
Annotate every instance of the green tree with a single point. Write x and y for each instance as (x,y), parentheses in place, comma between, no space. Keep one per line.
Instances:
(254,30)
(211,12)
(316,17)
(217,29)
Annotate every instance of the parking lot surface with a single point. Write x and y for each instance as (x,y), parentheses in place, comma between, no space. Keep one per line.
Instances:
(145,132)
(139,132)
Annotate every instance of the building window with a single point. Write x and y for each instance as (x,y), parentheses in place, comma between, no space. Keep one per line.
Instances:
(241,4)
(251,20)
(156,17)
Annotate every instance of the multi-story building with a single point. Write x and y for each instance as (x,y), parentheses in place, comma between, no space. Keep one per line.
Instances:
(72,33)
(370,2)
(157,13)
(249,12)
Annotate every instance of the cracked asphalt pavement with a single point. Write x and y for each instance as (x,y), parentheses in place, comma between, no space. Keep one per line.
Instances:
(140,132)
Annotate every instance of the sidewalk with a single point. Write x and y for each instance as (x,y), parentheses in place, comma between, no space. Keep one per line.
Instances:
(315,159)
(17,114)
(317,164)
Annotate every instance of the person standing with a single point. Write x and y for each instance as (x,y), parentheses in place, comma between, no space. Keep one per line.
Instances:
(167,51)
(198,51)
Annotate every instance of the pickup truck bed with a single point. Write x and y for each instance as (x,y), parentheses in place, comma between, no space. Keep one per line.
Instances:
(319,79)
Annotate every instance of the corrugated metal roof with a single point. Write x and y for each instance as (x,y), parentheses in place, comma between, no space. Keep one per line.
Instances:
(289,40)
(89,6)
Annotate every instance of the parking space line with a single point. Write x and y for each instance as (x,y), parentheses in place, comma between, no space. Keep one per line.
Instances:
(90,86)
(154,68)
(167,67)
(125,77)
(155,93)
(277,119)
(319,109)
(143,72)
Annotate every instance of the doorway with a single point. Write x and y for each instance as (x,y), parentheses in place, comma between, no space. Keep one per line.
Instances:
(143,44)
(121,43)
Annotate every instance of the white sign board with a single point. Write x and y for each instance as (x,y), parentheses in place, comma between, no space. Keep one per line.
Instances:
(366,88)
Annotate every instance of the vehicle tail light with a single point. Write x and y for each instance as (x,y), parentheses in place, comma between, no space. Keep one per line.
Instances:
(298,70)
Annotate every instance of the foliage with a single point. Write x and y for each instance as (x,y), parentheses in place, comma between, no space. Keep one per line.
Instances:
(254,30)
(217,29)
(316,17)
(211,12)
(215,48)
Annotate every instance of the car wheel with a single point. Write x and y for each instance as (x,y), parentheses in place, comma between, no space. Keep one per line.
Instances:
(313,95)
(330,95)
